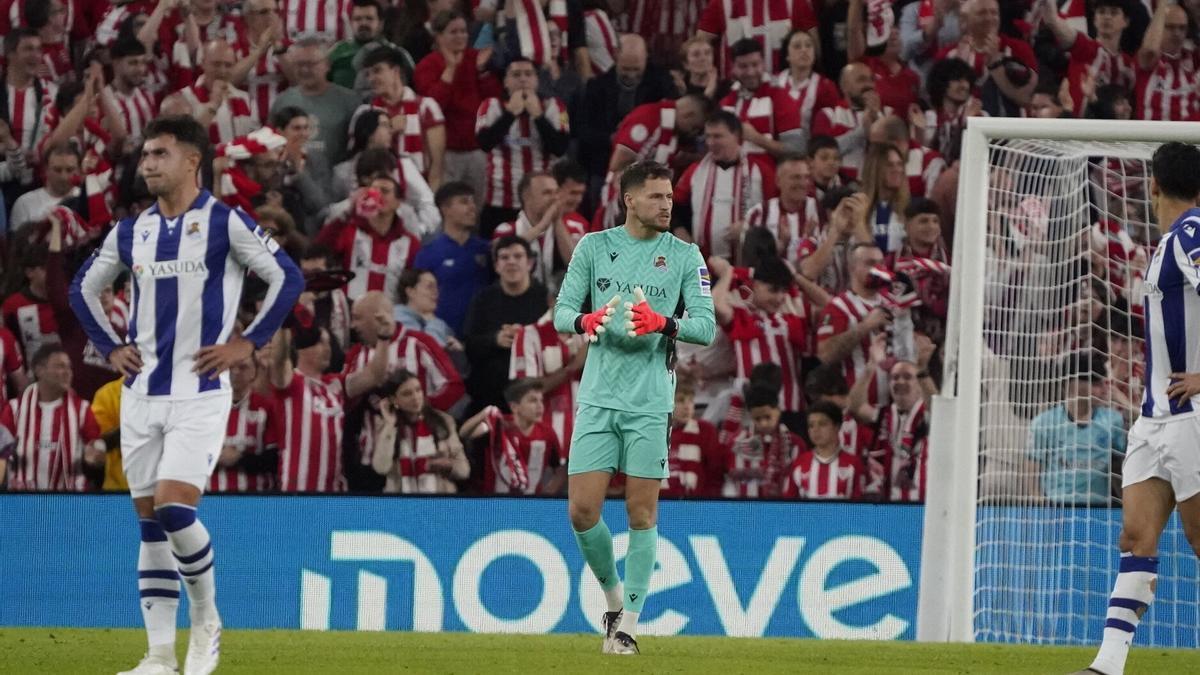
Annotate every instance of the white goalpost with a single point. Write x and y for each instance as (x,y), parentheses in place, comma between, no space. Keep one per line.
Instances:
(1053,230)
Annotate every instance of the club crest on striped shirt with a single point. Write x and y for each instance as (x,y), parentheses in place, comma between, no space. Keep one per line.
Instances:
(660,262)
(193,229)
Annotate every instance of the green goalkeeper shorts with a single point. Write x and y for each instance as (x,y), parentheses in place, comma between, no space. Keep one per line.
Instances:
(632,443)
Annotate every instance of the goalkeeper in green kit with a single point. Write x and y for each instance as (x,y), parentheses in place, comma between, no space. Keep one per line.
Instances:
(637,280)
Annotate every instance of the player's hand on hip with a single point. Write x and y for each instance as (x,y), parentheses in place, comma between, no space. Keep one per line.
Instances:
(216,359)
(640,318)
(1183,386)
(126,360)
(593,324)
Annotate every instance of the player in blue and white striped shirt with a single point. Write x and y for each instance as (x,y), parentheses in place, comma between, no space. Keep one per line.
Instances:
(188,255)
(1162,463)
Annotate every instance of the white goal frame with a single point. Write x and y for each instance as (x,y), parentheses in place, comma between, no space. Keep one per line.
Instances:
(945,608)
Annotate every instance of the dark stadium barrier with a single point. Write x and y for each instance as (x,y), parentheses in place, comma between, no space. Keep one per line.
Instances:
(479,564)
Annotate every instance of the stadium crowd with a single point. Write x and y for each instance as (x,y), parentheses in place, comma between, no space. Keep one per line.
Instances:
(432,164)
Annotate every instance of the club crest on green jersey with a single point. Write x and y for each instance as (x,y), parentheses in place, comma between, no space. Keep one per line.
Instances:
(660,262)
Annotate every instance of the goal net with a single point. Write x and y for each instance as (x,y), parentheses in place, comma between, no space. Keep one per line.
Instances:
(1054,233)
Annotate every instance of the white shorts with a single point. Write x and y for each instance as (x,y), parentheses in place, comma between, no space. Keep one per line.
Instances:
(1169,450)
(171,439)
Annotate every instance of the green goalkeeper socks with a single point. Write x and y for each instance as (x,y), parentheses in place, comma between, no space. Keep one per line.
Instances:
(597,547)
(639,565)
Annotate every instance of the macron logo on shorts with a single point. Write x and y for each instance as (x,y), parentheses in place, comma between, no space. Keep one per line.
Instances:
(705,281)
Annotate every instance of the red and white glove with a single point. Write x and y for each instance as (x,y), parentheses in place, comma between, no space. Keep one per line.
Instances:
(640,318)
(593,324)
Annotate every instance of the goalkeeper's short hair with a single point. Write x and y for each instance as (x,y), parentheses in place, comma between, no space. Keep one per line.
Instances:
(636,174)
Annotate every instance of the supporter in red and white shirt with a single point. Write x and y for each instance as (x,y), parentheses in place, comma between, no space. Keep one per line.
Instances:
(27,313)
(897,461)
(419,448)
(85,119)
(27,97)
(1006,62)
(541,222)
(850,119)
(213,100)
(767,21)
(136,105)
(13,15)
(758,462)
(665,131)
(827,384)
(523,455)
(695,458)
(793,215)
(825,162)
(50,19)
(116,13)
(850,319)
(762,331)
(876,43)
(249,460)
(810,90)
(572,181)
(373,241)
(51,435)
(714,195)
(185,32)
(418,127)
(328,19)
(538,350)
(824,255)
(825,470)
(312,405)
(949,86)
(1099,58)
(1168,69)
(407,349)
(260,46)
(520,134)
(923,256)
(770,117)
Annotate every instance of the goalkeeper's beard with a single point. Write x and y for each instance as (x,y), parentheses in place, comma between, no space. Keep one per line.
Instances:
(659,222)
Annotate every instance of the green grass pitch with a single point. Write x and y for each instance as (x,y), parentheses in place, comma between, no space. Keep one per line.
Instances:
(64,650)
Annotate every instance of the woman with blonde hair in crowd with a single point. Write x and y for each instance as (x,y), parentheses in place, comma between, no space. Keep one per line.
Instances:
(886,186)
(417,448)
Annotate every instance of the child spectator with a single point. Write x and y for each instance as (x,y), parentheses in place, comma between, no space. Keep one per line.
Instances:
(826,470)
(759,459)
(696,460)
(523,455)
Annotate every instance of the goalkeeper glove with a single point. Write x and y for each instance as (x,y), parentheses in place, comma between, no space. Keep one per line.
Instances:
(641,319)
(591,325)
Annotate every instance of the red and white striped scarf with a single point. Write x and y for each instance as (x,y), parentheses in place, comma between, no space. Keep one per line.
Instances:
(901,445)
(533,31)
(417,446)
(607,45)
(63,471)
(506,458)
(706,175)
(918,266)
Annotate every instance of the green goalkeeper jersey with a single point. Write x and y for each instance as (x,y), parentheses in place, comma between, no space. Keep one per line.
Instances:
(634,373)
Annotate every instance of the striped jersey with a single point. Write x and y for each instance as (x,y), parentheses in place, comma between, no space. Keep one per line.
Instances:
(1171,311)
(187,277)
(310,441)
(838,477)
(252,430)
(48,438)
(521,150)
